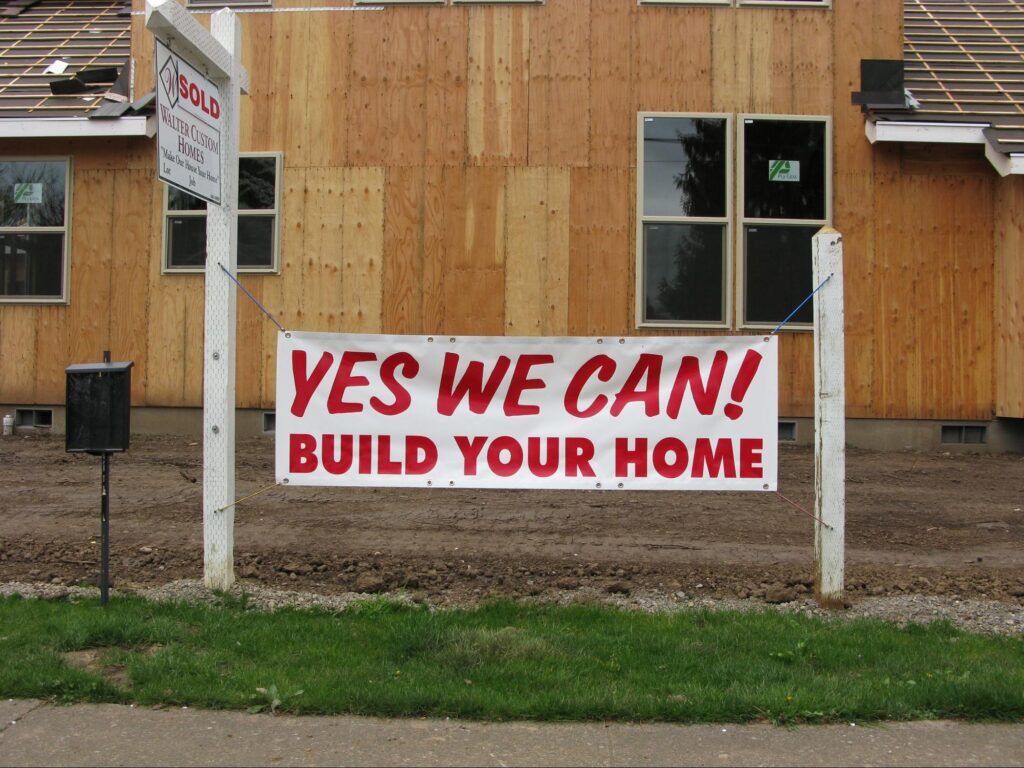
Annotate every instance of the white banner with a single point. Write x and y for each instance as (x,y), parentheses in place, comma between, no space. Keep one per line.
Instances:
(694,413)
(188,127)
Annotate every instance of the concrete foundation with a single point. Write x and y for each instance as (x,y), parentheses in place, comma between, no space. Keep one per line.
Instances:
(995,436)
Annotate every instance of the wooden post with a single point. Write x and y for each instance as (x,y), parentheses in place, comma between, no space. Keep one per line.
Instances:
(829,419)
(217,53)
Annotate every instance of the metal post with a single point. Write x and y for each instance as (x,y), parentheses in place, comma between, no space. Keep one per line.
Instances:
(829,419)
(105,519)
(105,531)
(219,347)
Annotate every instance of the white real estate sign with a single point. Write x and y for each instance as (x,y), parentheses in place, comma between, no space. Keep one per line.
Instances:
(695,413)
(189,127)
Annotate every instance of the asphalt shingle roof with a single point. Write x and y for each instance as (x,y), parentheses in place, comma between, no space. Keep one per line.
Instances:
(33,34)
(964,63)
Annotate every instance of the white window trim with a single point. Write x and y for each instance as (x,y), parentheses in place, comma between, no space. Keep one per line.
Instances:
(165,265)
(742,221)
(64,298)
(727,221)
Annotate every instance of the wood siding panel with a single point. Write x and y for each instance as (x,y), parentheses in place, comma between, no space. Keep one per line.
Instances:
(18,351)
(560,84)
(497,95)
(284,293)
(129,285)
(368,85)
(405,82)
(165,337)
(403,251)
(89,308)
(933,348)
(474,245)
(796,374)
(612,97)
(1009,298)
(49,363)
(362,243)
(536,253)
(601,252)
(446,93)
(672,60)
(323,249)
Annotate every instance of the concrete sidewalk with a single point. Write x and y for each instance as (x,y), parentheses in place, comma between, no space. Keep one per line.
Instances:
(36,733)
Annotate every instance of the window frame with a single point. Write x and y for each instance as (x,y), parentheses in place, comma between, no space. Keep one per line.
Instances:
(726,221)
(65,281)
(743,221)
(274,269)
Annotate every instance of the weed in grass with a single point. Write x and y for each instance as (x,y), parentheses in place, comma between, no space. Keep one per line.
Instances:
(271,699)
(239,602)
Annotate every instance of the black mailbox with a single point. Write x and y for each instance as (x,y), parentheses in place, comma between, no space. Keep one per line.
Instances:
(98,407)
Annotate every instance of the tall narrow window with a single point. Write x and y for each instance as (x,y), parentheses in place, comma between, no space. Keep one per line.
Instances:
(683,219)
(785,200)
(33,229)
(185,240)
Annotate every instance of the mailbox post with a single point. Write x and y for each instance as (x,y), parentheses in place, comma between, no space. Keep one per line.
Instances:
(98,404)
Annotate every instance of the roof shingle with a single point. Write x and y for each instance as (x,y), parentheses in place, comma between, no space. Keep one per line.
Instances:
(84,33)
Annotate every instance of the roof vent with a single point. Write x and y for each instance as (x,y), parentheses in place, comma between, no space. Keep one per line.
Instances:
(882,85)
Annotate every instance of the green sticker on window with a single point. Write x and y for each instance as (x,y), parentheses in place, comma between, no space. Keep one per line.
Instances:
(28,192)
(783,170)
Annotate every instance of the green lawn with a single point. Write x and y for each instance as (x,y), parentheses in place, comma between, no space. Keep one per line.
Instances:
(508,661)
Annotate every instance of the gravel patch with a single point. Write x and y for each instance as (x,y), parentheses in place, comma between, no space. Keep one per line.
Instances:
(981,616)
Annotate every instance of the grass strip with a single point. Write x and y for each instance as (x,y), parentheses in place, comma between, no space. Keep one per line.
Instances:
(507,661)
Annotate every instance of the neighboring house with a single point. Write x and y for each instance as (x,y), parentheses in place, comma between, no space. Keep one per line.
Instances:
(571,167)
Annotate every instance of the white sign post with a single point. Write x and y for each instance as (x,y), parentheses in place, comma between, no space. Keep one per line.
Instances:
(214,57)
(829,418)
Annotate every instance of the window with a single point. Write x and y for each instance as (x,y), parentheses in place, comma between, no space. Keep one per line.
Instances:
(785,193)
(185,231)
(685,232)
(34,229)
(683,219)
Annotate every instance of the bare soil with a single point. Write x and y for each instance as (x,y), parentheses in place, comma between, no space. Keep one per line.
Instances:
(922,523)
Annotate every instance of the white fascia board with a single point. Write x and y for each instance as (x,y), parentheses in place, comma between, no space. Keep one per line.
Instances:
(938,133)
(945,133)
(74,127)
(1007,165)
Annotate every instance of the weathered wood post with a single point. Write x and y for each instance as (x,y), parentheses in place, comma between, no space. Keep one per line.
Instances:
(216,54)
(829,419)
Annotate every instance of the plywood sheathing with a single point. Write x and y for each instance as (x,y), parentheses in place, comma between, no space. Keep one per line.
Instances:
(447,170)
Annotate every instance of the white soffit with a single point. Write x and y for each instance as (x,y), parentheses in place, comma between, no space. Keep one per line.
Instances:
(944,133)
(74,127)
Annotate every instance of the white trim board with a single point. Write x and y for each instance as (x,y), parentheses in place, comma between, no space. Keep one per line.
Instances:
(945,133)
(53,127)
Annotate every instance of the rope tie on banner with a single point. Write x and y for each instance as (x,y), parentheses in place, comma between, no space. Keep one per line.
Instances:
(809,514)
(246,498)
(800,305)
(252,298)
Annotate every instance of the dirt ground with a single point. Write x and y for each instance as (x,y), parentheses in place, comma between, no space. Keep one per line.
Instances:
(927,523)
